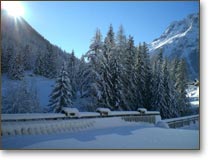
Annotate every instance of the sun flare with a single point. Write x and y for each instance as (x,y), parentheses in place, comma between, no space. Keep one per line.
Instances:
(14,8)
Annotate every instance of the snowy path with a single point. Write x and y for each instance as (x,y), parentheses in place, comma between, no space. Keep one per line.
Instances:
(124,137)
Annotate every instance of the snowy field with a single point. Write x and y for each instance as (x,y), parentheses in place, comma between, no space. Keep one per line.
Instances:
(130,136)
(43,85)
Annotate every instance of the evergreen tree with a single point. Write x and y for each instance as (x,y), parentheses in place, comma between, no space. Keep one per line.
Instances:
(118,99)
(61,95)
(40,65)
(5,59)
(129,76)
(181,86)
(121,46)
(147,92)
(169,109)
(51,62)
(109,69)
(84,77)
(173,68)
(109,42)
(16,67)
(94,56)
(121,38)
(140,75)
(72,72)
(158,86)
(27,55)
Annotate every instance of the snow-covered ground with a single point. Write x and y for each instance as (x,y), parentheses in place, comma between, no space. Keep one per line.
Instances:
(42,84)
(121,137)
(44,87)
(107,133)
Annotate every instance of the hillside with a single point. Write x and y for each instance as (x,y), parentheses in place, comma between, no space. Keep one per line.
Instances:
(181,39)
(18,37)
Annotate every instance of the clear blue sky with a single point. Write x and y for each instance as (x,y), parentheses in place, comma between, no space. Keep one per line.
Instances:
(71,25)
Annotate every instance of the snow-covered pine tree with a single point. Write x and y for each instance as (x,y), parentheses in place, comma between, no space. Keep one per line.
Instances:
(48,63)
(71,68)
(27,56)
(16,67)
(118,69)
(94,57)
(129,77)
(158,86)
(40,65)
(61,95)
(52,62)
(170,108)
(121,40)
(181,86)
(5,58)
(118,99)
(109,61)
(140,75)
(121,45)
(147,93)
(84,77)
(173,68)
(109,42)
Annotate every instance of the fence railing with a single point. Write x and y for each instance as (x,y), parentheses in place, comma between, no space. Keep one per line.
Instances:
(36,124)
(181,121)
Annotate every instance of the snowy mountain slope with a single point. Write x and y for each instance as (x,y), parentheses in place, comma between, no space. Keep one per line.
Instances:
(18,36)
(43,86)
(181,39)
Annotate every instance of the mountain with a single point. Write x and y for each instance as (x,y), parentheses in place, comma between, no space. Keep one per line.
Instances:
(181,39)
(18,37)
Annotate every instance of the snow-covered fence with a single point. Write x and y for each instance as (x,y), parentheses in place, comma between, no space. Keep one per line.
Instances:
(181,121)
(31,116)
(33,124)
(144,118)
(44,127)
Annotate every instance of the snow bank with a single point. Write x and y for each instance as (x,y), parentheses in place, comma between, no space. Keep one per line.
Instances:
(162,124)
(141,138)
(42,84)
(116,122)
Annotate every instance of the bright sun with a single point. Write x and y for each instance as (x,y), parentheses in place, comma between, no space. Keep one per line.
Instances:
(14,8)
